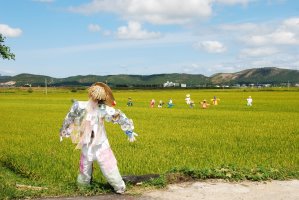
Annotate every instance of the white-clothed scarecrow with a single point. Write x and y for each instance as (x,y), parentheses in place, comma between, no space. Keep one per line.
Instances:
(85,125)
(189,101)
(249,101)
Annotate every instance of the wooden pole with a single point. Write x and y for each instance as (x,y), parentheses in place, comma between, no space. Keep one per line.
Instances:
(46,87)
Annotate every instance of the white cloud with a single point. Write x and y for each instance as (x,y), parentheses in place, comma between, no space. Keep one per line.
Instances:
(134,31)
(258,52)
(272,33)
(9,31)
(94,28)
(292,22)
(283,37)
(283,33)
(277,37)
(155,11)
(211,46)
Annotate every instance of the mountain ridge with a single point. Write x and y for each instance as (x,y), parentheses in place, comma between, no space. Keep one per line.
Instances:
(266,75)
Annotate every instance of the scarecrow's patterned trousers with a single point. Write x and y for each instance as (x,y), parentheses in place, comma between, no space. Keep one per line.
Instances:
(107,162)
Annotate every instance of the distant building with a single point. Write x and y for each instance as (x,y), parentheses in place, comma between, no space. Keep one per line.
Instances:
(183,85)
(170,84)
(9,83)
(267,85)
(27,85)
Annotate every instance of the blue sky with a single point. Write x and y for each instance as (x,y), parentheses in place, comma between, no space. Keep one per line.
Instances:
(63,38)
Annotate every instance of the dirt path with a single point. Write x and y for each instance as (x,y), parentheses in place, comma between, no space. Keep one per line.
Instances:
(213,190)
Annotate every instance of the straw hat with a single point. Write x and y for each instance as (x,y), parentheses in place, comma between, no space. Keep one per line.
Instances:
(187,95)
(101,92)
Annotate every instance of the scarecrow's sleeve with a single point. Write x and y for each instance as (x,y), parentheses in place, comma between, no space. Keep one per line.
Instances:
(68,123)
(116,116)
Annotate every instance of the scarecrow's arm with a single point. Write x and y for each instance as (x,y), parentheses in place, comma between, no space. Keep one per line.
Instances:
(68,123)
(118,117)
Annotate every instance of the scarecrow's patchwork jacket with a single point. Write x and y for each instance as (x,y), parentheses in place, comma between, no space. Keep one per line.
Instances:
(85,126)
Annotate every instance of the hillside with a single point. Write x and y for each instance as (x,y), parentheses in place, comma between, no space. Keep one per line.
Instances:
(113,80)
(268,75)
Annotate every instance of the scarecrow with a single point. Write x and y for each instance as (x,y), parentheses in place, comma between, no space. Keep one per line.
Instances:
(161,103)
(130,102)
(152,103)
(249,101)
(189,101)
(215,101)
(85,125)
(170,104)
(204,104)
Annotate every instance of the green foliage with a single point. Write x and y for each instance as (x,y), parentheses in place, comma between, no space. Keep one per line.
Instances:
(157,182)
(5,50)
(73,90)
(229,141)
(229,172)
(30,90)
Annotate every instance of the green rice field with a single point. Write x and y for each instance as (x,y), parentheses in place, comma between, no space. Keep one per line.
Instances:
(264,136)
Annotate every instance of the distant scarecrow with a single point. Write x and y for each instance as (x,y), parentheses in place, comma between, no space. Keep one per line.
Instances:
(215,101)
(130,102)
(152,103)
(249,101)
(189,101)
(204,104)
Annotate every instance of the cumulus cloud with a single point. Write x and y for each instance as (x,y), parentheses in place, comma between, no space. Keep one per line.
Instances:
(155,11)
(291,22)
(277,37)
(94,28)
(283,33)
(134,31)
(9,31)
(211,46)
(272,43)
(258,52)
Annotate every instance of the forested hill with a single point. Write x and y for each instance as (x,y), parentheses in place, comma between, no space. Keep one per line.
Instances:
(113,80)
(256,75)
